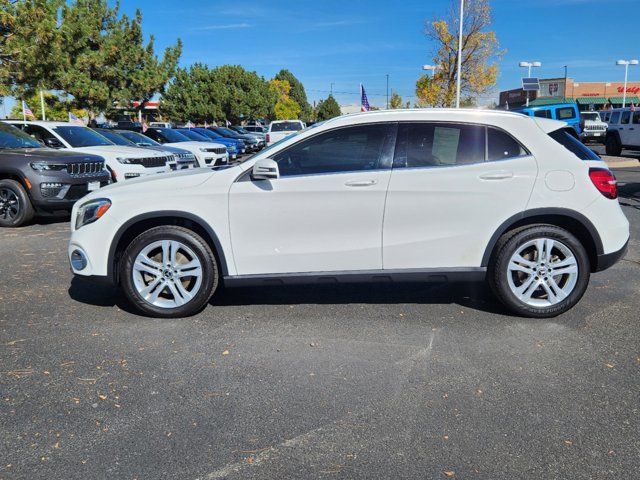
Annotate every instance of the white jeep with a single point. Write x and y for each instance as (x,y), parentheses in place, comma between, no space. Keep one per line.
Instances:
(623,131)
(593,128)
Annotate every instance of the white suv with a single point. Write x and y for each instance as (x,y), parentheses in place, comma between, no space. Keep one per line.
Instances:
(593,128)
(123,162)
(401,195)
(623,131)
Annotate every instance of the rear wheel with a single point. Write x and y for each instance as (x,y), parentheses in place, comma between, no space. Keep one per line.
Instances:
(169,272)
(539,271)
(613,146)
(15,205)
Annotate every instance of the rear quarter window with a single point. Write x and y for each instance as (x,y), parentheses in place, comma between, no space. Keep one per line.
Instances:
(567,138)
(565,113)
(542,113)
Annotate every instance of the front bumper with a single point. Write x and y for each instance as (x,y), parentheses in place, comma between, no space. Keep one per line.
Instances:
(51,194)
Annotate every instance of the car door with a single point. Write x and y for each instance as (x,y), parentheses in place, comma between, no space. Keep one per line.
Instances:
(451,187)
(626,129)
(324,213)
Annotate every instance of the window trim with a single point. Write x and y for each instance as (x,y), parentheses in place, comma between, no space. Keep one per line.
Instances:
(527,152)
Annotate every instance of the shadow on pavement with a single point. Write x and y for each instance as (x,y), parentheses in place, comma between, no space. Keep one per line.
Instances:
(629,192)
(472,295)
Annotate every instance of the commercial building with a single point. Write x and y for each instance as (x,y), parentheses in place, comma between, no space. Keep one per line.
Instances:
(588,95)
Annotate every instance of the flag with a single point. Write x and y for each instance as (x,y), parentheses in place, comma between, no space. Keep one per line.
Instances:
(74,119)
(506,105)
(633,107)
(364,102)
(190,124)
(145,127)
(26,111)
(227,123)
(206,125)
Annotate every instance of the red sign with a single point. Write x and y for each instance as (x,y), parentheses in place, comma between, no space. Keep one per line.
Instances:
(633,90)
(590,95)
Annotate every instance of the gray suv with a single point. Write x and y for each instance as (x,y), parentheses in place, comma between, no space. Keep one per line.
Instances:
(35,179)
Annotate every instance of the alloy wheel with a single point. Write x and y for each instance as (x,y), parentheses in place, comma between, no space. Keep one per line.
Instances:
(542,272)
(9,204)
(167,274)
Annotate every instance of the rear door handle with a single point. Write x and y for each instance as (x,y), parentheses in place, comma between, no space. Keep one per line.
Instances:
(361,183)
(499,175)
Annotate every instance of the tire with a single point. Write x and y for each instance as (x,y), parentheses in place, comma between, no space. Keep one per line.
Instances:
(15,205)
(528,286)
(613,146)
(160,287)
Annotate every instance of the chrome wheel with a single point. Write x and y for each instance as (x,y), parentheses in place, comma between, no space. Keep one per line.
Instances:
(9,204)
(542,272)
(167,274)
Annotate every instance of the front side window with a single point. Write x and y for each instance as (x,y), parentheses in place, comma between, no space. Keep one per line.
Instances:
(636,118)
(615,117)
(501,145)
(567,138)
(116,138)
(439,145)
(542,113)
(565,113)
(81,136)
(626,116)
(38,132)
(12,137)
(366,147)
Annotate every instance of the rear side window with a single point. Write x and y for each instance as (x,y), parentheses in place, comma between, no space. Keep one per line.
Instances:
(615,117)
(636,118)
(567,138)
(439,145)
(542,113)
(501,145)
(626,116)
(565,113)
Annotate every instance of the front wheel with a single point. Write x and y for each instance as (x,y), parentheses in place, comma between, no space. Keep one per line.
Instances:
(15,205)
(612,146)
(169,272)
(539,271)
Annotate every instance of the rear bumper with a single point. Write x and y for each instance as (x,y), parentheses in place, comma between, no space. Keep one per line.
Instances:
(607,260)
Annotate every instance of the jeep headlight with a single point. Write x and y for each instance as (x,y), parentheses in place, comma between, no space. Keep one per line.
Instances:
(202,149)
(123,159)
(43,166)
(91,211)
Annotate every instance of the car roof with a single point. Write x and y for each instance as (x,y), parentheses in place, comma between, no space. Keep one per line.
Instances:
(46,123)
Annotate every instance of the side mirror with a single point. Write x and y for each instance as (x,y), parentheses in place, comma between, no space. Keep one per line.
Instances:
(53,142)
(265,169)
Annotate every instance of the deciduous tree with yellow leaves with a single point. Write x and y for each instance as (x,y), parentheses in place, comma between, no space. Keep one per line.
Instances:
(480,52)
(286,108)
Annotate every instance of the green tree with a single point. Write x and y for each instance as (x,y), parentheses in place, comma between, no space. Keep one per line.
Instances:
(297,93)
(479,55)
(286,108)
(328,108)
(105,59)
(395,101)
(30,45)
(55,107)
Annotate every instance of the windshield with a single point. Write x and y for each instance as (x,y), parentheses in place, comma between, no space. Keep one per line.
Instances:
(11,137)
(286,126)
(81,136)
(138,138)
(590,116)
(241,130)
(115,138)
(207,133)
(172,136)
(196,137)
(226,131)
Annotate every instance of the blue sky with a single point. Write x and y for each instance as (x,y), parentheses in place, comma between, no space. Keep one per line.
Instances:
(351,41)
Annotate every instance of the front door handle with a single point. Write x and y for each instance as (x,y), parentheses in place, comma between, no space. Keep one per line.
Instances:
(361,183)
(499,175)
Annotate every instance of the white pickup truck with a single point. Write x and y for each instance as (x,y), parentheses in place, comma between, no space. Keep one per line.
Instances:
(280,129)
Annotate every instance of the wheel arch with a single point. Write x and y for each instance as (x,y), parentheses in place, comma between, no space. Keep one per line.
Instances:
(140,223)
(572,221)
(16,176)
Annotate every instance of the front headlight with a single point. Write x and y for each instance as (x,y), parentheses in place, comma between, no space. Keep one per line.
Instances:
(92,211)
(42,166)
(202,149)
(123,159)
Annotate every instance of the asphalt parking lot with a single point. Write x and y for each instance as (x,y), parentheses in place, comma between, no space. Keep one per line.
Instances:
(407,381)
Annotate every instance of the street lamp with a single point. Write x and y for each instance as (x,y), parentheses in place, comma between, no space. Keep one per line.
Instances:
(626,64)
(530,65)
(432,68)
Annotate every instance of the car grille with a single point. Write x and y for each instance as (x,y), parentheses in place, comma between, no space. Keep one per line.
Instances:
(85,168)
(219,151)
(595,128)
(150,162)
(188,156)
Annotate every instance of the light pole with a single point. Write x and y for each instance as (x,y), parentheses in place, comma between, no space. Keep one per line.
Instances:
(529,65)
(332,84)
(387,91)
(626,64)
(459,55)
(431,68)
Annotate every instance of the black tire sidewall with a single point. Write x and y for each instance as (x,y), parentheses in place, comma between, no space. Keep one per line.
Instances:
(498,271)
(25,212)
(196,243)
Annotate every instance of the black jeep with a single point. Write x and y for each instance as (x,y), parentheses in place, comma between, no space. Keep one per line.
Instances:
(35,179)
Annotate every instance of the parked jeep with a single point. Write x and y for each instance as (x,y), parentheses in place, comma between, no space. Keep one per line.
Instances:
(593,128)
(43,180)
(623,131)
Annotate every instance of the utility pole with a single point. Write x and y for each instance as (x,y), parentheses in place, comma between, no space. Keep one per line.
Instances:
(564,92)
(459,54)
(387,91)
(331,93)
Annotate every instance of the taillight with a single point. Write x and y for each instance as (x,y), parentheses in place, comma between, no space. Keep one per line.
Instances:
(604,181)
(267,139)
